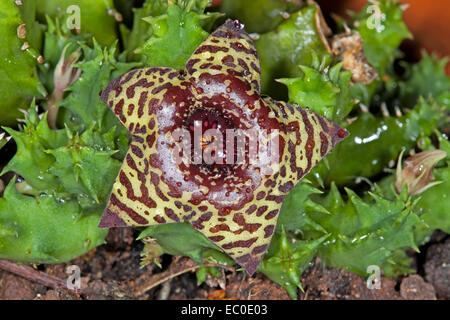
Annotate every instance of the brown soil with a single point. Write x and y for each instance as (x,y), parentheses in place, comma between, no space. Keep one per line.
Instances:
(113,271)
(437,268)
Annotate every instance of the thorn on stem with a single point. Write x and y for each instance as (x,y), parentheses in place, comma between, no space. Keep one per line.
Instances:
(285,15)
(25,46)
(351,120)
(117,16)
(384,110)
(363,107)
(391,163)
(22,31)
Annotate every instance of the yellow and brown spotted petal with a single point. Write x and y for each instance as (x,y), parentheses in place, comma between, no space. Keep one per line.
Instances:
(308,136)
(134,96)
(235,205)
(148,103)
(228,53)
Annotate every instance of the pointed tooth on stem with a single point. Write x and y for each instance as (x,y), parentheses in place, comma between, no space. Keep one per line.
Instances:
(391,163)
(23,111)
(363,107)
(351,120)
(22,31)
(25,46)
(117,16)
(384,110)
(254,36)
(285,15)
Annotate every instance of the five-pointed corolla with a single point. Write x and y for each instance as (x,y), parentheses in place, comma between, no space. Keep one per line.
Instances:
(235,204)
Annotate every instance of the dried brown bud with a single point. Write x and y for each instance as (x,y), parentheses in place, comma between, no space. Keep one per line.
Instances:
(349,48)
(22,31)
(417,173)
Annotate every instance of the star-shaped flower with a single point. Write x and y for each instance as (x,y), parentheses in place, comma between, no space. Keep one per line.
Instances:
(235,205)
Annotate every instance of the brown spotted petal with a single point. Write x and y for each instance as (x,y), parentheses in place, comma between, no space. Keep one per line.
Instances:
(235,205)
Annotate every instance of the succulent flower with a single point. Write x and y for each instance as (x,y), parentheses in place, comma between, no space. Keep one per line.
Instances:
(234,204)
(417,172)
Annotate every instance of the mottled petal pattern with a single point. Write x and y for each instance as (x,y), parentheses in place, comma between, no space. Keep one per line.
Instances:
(235,206)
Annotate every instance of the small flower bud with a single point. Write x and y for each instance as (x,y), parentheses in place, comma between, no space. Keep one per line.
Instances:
(65,73)
(417,173)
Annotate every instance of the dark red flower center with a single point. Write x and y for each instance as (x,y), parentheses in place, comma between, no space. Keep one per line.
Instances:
(209,130)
